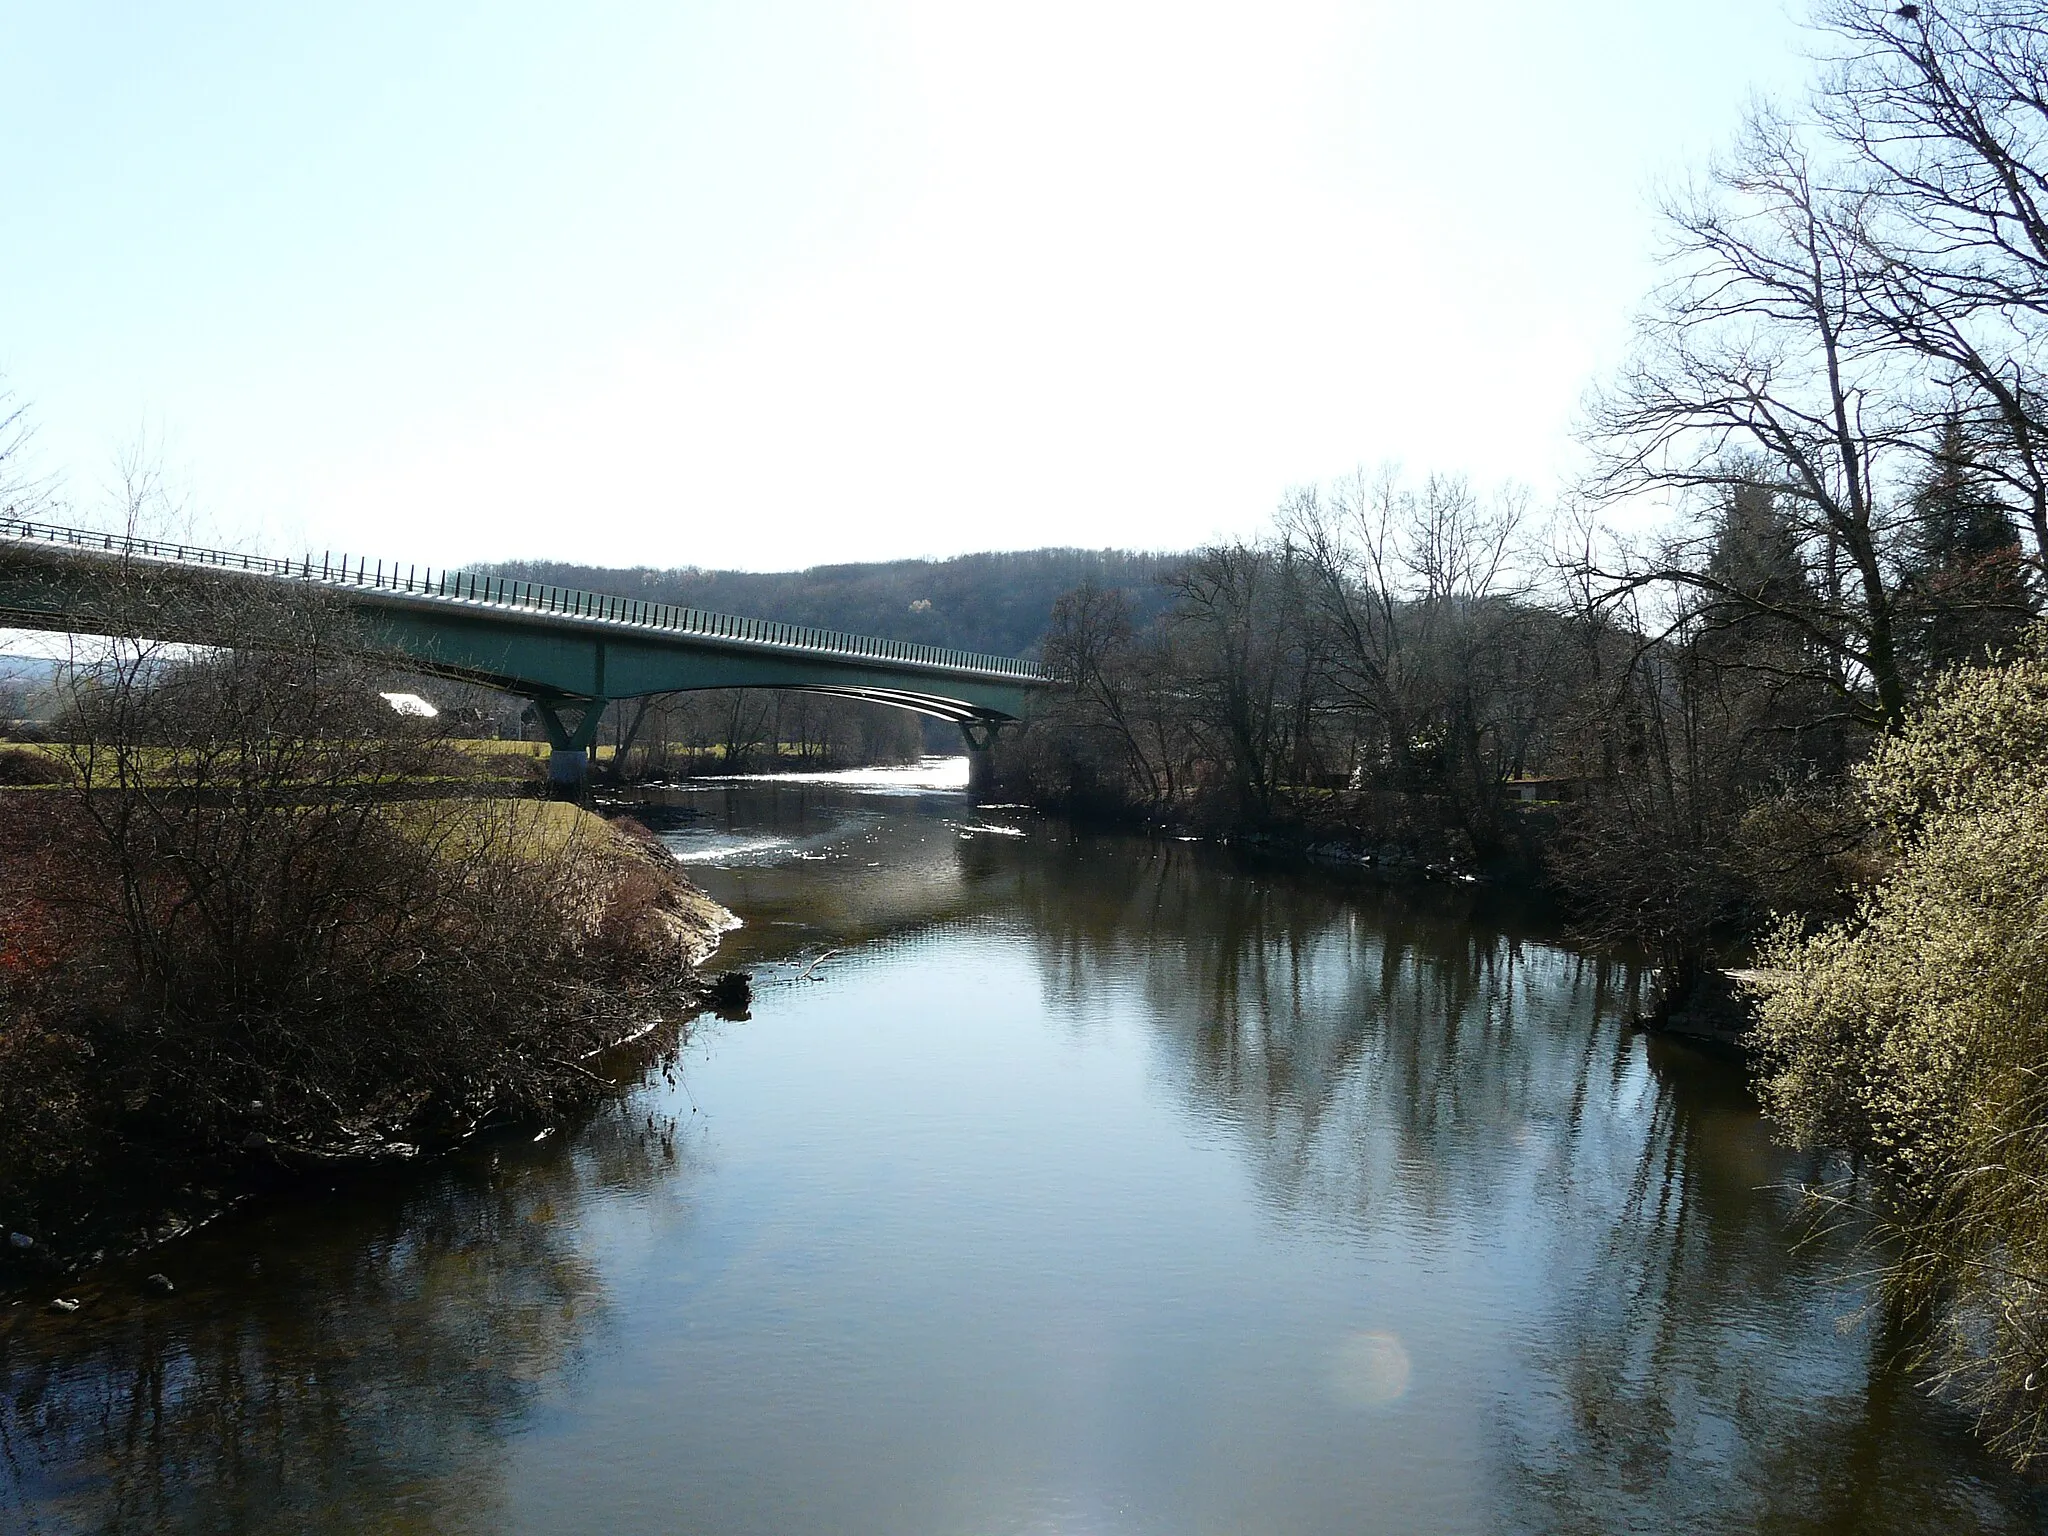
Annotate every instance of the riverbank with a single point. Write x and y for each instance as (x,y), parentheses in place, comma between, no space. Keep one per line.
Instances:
(486,957)
(1399,832)
(1264,1192)
(1404,839)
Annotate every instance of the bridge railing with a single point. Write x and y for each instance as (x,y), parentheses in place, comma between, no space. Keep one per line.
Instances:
(472,588)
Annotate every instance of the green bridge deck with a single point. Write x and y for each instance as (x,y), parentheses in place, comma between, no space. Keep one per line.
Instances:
(569,651)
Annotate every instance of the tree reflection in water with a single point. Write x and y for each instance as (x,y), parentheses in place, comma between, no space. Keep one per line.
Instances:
(345,1365)
(1396,1060)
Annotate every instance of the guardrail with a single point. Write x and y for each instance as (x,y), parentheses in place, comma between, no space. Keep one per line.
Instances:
(471,589)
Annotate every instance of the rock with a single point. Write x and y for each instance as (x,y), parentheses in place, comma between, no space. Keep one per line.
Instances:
(731,992)
(1716,1008)
(63,1304)
(20,1242)
(157,1285)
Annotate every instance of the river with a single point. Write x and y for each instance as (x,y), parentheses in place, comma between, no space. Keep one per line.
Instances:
(1058,1183)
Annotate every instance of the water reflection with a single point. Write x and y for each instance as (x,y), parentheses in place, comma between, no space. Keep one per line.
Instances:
(347,1366)
(1399,1062)
(1089,1184)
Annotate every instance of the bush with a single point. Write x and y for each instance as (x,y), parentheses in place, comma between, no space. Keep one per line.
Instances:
(256,923)
(1914,1036)
(26,766)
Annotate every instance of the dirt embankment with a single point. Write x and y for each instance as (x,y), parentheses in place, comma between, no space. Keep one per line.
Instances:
(692,921)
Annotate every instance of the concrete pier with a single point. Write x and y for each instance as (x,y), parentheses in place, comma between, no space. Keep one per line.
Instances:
(980,736)
(568,772)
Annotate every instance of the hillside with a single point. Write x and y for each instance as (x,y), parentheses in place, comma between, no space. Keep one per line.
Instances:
(998,603)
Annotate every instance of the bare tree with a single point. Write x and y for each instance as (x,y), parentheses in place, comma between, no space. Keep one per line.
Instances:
(1942,110)
(1248,666)
(1089,648)
(1430,644)
(21,493)
(1755,362)
(282,917)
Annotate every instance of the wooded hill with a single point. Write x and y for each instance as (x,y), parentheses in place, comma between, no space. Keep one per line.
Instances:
(999,603)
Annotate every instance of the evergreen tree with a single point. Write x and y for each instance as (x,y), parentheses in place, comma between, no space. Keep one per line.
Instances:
(1756,552)
(1968,595)
(1765,682)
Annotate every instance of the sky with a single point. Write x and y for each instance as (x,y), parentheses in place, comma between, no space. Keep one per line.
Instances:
(772,285)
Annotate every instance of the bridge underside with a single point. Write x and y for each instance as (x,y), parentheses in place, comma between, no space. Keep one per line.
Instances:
(510,652)
(570,667)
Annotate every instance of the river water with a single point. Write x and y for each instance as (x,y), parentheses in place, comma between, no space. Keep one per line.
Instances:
(1058,1183)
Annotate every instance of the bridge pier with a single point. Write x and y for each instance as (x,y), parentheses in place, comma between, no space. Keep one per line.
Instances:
(569,757)
(568,772)
(980,736)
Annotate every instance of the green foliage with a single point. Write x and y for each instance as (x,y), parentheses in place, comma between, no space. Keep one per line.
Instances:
(1968,589)
(1914,1035)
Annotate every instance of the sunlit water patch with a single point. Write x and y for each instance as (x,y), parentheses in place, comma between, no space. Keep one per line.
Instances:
(927,774)
(712,847)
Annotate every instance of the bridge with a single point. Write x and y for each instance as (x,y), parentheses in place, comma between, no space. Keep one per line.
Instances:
(570,652)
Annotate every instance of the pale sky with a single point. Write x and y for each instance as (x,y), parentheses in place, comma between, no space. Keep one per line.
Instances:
(771,285)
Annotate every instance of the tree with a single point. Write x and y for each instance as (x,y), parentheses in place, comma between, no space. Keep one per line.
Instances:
(1249,668)
(284,916)
(1088,648)
(1430,643)
(1725,747)
(1942,112)
(1967,590)
(1755,367)
(20,494)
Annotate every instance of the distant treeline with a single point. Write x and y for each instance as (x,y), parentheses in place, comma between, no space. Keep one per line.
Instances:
(759,730)
(998,603)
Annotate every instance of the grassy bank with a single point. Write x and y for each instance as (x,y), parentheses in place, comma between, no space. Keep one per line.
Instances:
(202,1000)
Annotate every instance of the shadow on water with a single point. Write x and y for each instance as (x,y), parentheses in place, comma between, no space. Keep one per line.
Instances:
(1593,1228)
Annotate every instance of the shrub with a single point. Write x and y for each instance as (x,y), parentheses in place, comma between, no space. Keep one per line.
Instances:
(256,920)
(1914,1035)
(27,766)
